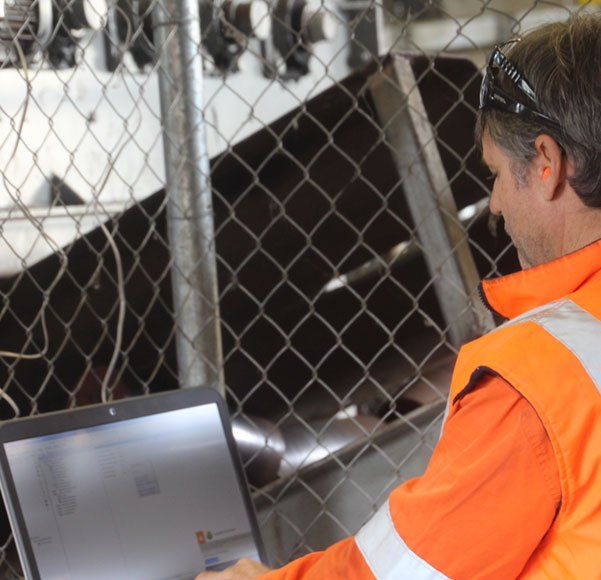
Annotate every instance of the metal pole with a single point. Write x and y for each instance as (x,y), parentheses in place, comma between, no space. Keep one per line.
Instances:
(451,264)
(189,201)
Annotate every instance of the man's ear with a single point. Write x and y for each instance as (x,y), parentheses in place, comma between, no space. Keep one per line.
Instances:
(549,167)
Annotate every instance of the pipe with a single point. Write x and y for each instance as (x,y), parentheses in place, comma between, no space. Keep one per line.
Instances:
(189,200)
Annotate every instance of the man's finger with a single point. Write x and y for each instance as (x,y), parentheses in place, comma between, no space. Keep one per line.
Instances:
(244,569)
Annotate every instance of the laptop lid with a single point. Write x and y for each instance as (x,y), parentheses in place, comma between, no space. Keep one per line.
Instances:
(148,488)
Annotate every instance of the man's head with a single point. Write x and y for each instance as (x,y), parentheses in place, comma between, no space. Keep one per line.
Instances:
(548,175)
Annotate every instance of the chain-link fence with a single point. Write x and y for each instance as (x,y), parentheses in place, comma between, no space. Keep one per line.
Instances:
(247,194)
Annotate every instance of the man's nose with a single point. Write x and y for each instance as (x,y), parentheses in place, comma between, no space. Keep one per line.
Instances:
(493,204)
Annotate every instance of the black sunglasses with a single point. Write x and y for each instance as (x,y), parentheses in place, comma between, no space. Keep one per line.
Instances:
(491,96)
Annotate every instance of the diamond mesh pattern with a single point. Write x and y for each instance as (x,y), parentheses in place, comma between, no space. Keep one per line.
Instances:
(335,338)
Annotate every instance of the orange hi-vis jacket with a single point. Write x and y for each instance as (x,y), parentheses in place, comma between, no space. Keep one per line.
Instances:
(550,352)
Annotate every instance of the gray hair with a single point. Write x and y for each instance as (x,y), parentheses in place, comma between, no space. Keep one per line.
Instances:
(562,62)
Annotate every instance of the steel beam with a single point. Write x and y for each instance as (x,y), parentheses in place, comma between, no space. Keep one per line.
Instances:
(444,242)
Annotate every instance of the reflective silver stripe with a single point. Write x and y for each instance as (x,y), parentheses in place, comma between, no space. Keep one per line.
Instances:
(386,553)
(531,315)
(447,410)
(580,332)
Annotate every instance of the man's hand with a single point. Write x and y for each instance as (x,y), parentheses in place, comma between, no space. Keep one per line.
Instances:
(244,569)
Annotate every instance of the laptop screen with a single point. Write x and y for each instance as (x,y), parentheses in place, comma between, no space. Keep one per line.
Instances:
(154,497)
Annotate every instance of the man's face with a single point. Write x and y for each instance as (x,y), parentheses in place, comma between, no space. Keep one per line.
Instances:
(516,201)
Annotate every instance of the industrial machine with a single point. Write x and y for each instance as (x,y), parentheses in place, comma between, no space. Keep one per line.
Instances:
(334,331)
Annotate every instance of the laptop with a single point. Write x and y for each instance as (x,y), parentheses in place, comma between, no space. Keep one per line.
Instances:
(149,488)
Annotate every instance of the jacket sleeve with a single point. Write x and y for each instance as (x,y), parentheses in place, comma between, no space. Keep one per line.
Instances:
(342,561)
(487,498)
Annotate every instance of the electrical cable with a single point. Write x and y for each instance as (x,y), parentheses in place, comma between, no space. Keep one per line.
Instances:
(105,391)
(104,388)
(15,197)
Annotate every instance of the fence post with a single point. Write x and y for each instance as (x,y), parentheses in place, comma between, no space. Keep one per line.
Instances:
(190,226)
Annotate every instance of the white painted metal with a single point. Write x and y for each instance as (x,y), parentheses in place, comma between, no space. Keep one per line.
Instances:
(78,119)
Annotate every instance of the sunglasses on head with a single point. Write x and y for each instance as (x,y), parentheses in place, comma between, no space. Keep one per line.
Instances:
(493,97)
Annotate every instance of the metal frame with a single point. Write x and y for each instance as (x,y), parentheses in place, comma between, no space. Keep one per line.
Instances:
(412,141)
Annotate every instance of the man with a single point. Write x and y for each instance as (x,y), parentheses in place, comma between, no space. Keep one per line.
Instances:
(513,488)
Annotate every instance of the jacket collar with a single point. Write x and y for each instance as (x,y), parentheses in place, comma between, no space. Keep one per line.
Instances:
(512,295)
